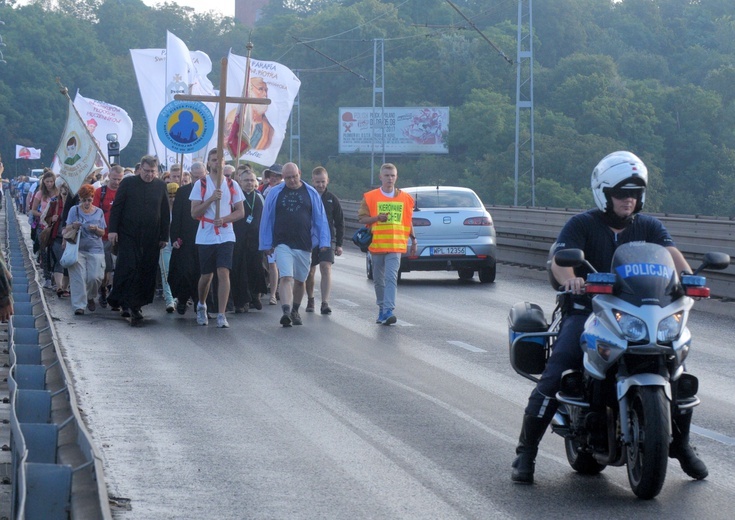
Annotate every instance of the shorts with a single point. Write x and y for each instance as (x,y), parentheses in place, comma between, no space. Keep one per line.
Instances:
(109,260)
(318,256)
(214,256)
(292,262)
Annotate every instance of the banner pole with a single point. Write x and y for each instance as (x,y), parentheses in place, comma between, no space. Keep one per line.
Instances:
(65,91)
(245,93)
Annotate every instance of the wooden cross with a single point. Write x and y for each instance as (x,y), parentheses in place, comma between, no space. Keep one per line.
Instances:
(222,101)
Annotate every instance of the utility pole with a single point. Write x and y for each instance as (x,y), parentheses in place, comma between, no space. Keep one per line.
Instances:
(378,91)
(524,151)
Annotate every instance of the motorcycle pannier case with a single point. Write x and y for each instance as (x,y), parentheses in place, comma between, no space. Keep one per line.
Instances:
(528,354)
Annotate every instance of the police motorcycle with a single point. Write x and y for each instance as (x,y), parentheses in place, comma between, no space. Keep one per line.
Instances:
(617,410)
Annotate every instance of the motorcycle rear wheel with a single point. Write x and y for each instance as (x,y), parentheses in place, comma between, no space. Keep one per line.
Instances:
(581,462)
(648,454)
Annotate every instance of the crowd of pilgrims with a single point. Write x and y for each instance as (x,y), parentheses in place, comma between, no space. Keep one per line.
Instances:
(173,269)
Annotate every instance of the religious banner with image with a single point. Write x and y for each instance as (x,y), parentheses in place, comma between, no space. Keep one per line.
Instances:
(26,152)
(264,127)
(76,152)
(104,118)
(188,75)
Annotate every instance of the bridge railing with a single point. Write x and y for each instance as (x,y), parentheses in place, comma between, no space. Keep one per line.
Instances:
(526,234)
(56,472)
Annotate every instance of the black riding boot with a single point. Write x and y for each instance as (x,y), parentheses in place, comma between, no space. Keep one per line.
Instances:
(681,450)
(525,462)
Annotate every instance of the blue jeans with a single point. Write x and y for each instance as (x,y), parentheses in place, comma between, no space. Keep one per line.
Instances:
(567,354)
(164,258)
(385,276)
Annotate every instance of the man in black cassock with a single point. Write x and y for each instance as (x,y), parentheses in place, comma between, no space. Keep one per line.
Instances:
(248,274)
(183,270)
(139,226)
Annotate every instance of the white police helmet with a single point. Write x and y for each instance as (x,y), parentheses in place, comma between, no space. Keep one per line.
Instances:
(621,170)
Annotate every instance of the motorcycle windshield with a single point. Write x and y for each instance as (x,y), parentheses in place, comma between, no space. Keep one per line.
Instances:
(645,274)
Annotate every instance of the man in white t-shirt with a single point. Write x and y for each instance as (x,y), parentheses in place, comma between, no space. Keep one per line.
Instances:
(215,237)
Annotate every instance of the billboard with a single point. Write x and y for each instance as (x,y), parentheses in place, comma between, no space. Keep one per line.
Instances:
(407,130)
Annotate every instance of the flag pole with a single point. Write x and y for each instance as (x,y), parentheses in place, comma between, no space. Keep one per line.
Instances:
(65,91)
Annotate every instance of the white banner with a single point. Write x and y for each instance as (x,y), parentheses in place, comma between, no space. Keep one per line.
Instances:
(76,151)
(101,119)
(407,130)
(26,152)
(156,87)
(268,128)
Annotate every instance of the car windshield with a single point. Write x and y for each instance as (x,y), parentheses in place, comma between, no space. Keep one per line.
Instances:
(445,199)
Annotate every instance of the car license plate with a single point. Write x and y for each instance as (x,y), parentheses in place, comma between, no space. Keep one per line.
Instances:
(451,250)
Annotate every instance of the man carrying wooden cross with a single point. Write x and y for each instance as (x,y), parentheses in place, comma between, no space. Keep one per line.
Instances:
(215,237)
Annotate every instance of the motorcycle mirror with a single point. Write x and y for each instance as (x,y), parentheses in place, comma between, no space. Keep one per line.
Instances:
(714,261)
(569,258)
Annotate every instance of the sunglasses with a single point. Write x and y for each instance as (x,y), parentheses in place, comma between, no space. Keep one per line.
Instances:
(622,193)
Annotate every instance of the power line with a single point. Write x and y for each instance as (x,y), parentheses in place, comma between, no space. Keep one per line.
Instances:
(472,24)
(357,26)
(332,60)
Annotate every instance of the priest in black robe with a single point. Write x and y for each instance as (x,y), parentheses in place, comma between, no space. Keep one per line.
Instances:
(139,226)
(247,277)
(183,270)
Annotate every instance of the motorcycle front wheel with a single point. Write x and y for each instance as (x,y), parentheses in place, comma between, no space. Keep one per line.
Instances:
(648,454)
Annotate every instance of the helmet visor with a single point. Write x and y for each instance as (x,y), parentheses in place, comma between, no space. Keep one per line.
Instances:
(621,193)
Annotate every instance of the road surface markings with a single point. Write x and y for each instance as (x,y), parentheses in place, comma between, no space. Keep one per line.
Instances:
(348,303)
(704,432)
(466,346)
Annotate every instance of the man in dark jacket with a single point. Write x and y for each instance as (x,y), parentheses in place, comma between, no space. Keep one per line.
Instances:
(183,271)
(325,259)
(139,226)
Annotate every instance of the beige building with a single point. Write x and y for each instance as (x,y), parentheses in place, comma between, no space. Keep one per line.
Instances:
(249,11)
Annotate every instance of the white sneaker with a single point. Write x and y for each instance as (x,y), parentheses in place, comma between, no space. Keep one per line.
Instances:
(222,321)
(202,314)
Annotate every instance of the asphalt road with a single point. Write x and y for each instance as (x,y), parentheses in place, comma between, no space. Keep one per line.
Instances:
(343,418)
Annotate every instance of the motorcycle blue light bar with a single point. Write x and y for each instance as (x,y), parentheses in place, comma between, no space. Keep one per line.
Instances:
(601,278)
(693,281)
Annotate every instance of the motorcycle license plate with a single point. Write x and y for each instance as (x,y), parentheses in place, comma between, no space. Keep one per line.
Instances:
(448,250)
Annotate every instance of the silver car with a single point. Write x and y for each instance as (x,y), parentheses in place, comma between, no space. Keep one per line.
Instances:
(454,233)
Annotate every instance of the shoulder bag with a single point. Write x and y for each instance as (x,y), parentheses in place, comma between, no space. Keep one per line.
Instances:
(362,238)
(71,254)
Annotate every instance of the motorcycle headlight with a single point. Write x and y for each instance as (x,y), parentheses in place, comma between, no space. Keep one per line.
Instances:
(634,329)
(670,328)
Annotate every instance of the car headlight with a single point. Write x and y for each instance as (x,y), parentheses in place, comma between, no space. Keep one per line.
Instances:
(670,328)
(634,329)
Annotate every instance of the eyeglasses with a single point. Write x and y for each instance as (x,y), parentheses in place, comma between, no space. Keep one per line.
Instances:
(622,193)
(87,200)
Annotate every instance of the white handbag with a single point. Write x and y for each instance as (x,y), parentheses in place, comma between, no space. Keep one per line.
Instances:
(71,254)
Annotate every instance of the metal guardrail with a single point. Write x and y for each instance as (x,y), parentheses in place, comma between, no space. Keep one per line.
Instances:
(56,472)
(526,234)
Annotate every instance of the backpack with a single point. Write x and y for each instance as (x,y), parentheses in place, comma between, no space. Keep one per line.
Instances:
(230,185)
